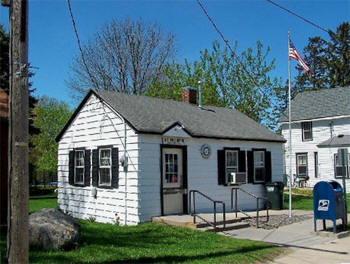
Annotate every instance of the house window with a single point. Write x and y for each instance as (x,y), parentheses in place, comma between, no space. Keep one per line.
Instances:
(231,163)
(338,168)
(259,166)
(302,164)
(306,128)
(79,167)
(105,166)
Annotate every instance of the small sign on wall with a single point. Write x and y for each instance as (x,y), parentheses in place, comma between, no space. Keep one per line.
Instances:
(173,140)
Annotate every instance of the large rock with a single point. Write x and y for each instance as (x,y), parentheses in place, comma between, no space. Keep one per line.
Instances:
(51,229)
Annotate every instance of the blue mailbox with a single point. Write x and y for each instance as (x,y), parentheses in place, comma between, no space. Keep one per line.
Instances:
(328,203)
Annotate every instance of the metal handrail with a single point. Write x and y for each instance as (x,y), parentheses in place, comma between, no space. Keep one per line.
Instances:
(194,214)
(258,198)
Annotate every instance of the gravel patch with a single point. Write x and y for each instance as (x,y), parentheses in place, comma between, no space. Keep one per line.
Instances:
(276,221)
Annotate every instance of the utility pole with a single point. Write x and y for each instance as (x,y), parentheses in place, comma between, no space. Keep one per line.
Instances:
(18,213)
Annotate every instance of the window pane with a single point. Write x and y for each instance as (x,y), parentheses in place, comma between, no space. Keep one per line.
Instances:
(171,168)
(259,159)
(339,171)
(105,153)
(105,157)
(79,175)
(307,130)
(307,135)
(259,174)
(105,177)
(231,158)
(302,160)
(302,170)
(79,158)
(168,178)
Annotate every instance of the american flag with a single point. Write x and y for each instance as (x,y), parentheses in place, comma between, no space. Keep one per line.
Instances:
(294,54)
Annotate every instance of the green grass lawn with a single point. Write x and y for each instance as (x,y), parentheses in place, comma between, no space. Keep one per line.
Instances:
(156,243)
(304,201)
(38,202)
(150,243)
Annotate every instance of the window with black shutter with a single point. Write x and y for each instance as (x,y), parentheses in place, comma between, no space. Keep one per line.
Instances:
(79,167)
(259,166)
(105,167)
(230,161)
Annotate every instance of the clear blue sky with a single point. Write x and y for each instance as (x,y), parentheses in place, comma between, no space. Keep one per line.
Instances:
(52,44)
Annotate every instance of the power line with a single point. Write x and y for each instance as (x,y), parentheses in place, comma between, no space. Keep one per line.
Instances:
(229,46)
(79,45)
(298,16)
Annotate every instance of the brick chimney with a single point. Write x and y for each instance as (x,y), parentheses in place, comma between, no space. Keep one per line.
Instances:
(189,95)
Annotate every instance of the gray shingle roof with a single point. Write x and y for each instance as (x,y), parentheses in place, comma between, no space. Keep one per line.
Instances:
(337,141)
(153,115)
(319,104)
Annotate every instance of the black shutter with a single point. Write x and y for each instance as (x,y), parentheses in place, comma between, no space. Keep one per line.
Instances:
(241,161)
(221,167)
(115,167)
(71,167)
(87,165)
(250,159)
(95,167)
(268,166)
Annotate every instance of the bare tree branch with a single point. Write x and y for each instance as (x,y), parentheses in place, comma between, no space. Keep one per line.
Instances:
(125,56)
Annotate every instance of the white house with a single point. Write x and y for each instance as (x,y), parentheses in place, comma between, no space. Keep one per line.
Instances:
(138,157)
(320,125)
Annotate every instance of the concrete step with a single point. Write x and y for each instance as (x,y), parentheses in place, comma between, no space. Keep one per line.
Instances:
(230,226)
(218,223)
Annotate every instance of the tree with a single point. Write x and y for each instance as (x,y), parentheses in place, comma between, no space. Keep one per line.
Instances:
(125,56)
(50,118)
(329,61)
(242,82)
(4,59)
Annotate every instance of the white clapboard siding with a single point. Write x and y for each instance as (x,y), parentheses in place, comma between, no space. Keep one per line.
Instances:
(97,125)
(202,173)
(321,131)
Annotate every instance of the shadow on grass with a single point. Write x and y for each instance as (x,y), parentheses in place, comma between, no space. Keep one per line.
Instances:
(160,259)
(154,243)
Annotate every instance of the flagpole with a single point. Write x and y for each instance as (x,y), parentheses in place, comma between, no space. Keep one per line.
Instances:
(290,131)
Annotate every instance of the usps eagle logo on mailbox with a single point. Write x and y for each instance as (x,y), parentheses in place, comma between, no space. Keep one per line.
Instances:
(323,205)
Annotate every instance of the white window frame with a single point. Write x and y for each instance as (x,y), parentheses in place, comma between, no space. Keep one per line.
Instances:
(336,165)
(104,167)
(298,165)
(230,167)
(258,167)
(303,130)
(79,167)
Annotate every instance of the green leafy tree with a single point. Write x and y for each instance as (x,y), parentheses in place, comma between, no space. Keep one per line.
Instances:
(244,84)
(4,59)
(50,117)
(329,61)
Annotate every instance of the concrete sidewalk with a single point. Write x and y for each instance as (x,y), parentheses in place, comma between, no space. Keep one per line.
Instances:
(333,252)
(304,245)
